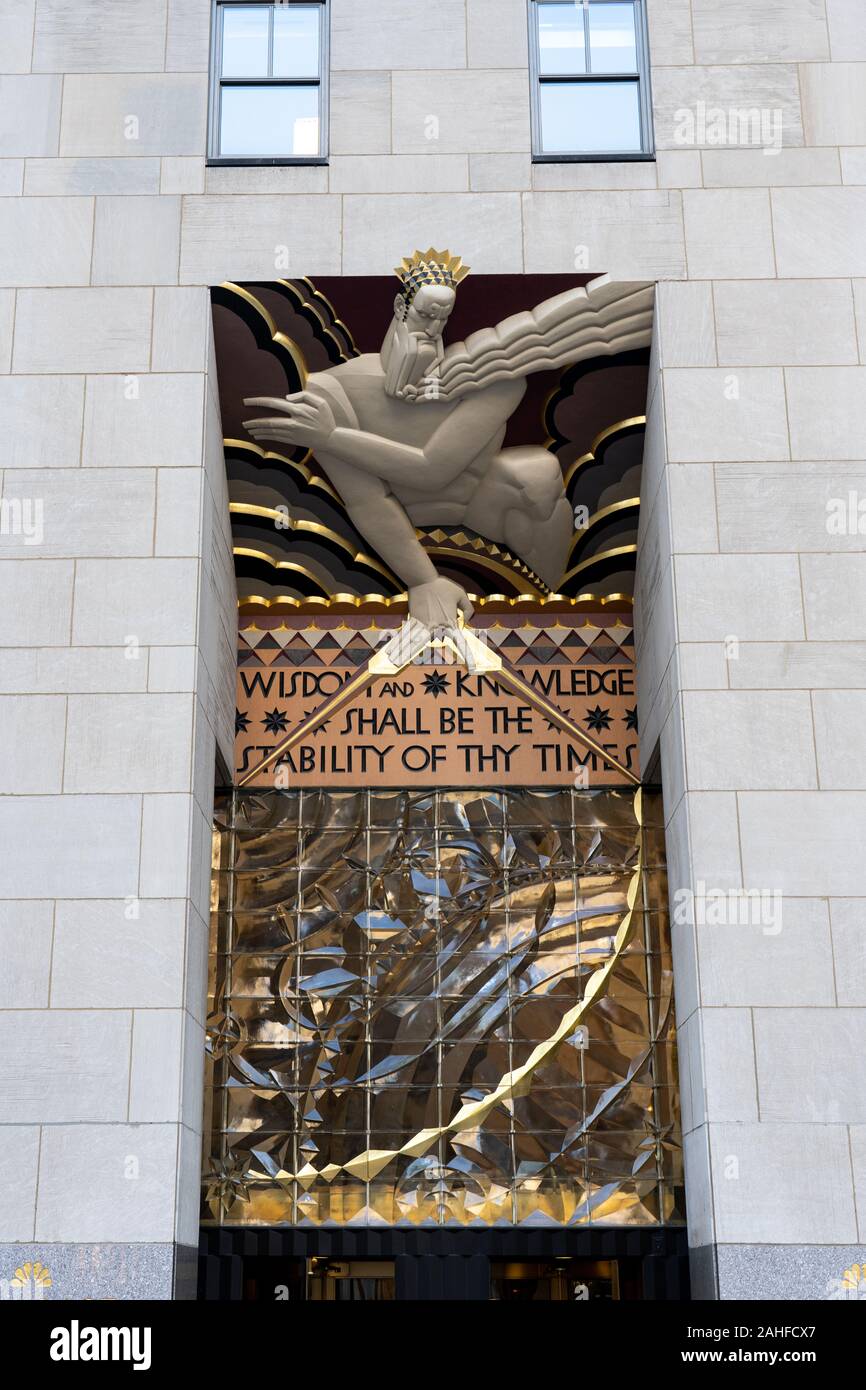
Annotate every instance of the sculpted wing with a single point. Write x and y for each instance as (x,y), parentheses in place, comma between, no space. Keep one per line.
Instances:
(594,320)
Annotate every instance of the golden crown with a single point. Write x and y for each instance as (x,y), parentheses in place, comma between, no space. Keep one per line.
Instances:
(430,267)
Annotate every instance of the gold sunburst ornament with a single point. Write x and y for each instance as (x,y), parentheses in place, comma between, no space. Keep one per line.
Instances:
(855,1278)
(430,267)
(852,1285)
(36,1274)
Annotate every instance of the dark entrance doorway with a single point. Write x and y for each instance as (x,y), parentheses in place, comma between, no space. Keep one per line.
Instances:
(508,1265)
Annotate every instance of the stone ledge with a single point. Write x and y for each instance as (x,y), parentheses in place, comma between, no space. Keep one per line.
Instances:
(133,1272)
(760,1273)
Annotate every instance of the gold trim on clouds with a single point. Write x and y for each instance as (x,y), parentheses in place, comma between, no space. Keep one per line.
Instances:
(598,441)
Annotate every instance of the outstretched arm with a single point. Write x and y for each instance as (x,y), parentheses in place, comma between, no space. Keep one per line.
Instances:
(307,419)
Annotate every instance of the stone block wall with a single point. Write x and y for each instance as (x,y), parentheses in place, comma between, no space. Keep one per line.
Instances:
(116,624)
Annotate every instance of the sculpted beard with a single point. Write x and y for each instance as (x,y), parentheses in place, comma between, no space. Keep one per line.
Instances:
(411,357)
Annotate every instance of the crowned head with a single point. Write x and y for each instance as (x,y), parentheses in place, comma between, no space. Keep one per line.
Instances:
(429,279)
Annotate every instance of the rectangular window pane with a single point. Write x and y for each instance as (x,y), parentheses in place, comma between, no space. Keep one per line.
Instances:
(561,39)
(612,42)
(245,41)
(296,40)
(269,122)
(590,118)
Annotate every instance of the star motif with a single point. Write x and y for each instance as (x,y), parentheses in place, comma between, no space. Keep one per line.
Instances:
(631,719)
(226,1185)
(556,728)
(597,719)
(223,1032)
(308,713)
(242,722)
(435,684)
(276,721)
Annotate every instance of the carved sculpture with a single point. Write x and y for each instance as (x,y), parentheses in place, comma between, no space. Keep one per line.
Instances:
(414,434)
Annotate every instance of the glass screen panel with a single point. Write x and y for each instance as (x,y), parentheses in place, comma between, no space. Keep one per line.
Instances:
(296,41)
(612,41)
(245,41)
(561,42)
(590,118)
(390,1040)
(265,122)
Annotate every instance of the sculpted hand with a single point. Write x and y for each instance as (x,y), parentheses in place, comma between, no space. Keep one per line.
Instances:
(437,603)
(426,390)
(306,419)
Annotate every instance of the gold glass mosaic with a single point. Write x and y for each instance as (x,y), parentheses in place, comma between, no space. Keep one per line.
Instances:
(448,1008)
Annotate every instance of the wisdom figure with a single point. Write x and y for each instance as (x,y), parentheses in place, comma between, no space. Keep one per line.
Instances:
(412,435)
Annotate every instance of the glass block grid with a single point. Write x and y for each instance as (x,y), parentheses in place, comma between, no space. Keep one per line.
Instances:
(450,1008)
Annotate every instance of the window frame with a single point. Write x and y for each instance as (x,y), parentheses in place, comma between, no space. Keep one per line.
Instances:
(641,78)
(218,82)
